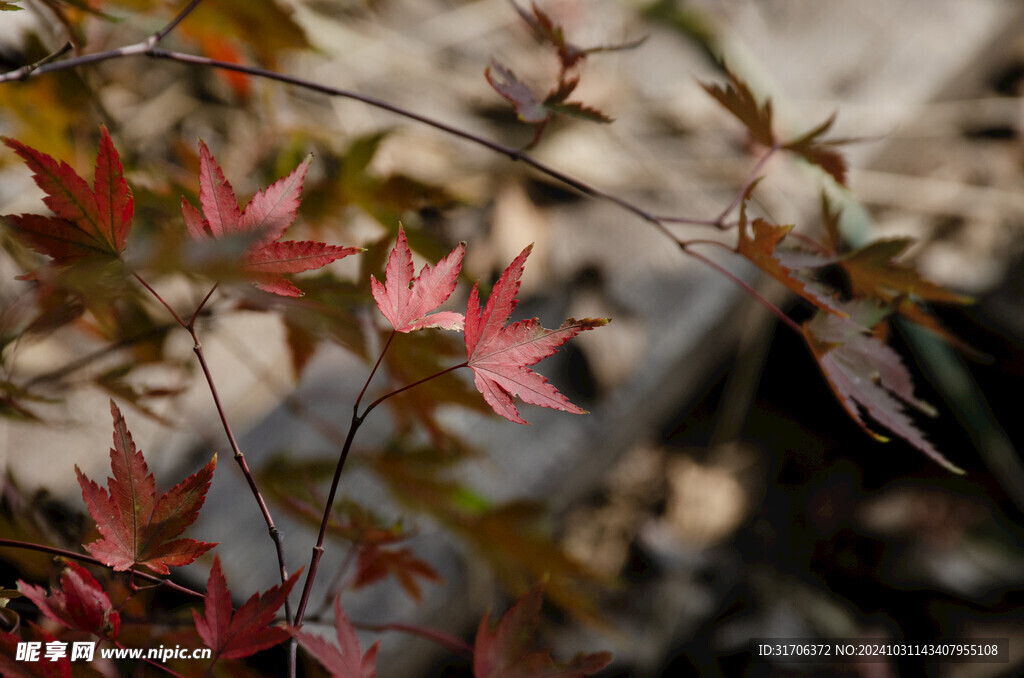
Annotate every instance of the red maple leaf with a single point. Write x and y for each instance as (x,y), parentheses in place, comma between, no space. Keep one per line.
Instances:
(499,355)
(233,635)
(267,216)
(407,301)
(346,662)
(504,651)
(376,563)
(80,603)
(88,221)
(138,527)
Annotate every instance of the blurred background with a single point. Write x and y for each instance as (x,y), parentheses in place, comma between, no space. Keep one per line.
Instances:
(717,492)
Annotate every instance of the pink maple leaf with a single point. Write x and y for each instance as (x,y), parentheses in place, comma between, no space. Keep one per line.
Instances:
(407,300)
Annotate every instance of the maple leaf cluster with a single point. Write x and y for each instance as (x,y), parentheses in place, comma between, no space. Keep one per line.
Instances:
(737,98)
(498,354)
(846,336)
(536,110)
(94,222)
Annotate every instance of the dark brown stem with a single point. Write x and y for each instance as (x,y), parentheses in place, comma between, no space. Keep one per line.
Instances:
(197,348)
(357,421)
(752,177)
(690,221)
(49,58)
(199,308)
(384,397)
(163,32)
(275,534)
(685,247)
(71,555)
(86,360)
(366,385)
(318,549)
(156,295)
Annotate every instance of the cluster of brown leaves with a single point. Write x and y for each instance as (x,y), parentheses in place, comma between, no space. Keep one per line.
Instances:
(847,334)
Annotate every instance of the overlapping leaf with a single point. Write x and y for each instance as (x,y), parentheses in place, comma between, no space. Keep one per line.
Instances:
(138,527)
(88,221)
(265,219)
(865,373)
(874,273)
(499,356)
(246,631)
(347,659)
(504,650)
(80,603)
(758,242)
(407,300)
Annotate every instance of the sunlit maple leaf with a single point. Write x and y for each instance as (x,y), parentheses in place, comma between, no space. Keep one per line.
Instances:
(406,300)
(865,373)
(347,659)
(243,632)
(504,650)
(138,527)
(80,603)
(88,221)
(265,219)
(499,356)
(375,563)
